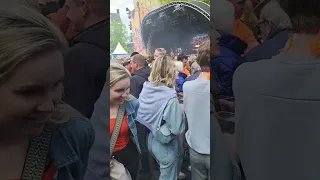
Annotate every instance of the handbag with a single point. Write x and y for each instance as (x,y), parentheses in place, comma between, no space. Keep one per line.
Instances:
(117,170)
(37,156)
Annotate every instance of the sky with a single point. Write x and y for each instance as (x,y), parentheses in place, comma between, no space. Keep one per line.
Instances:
(122,5)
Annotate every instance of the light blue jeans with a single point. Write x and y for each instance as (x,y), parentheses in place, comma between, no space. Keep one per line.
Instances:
(166,155)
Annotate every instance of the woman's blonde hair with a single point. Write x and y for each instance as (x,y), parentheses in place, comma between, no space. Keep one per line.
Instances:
(25,33)
(117,72)
(163,71)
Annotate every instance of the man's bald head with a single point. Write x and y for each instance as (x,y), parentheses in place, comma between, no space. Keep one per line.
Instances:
(137,62)
(139,59)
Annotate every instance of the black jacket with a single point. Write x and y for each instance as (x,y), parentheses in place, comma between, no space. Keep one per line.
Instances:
(137,80)
(86,64)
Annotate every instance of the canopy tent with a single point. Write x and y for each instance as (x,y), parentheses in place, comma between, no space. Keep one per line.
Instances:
(119,52)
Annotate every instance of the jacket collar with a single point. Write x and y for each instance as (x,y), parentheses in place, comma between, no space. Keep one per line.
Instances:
(62,152)
(129,108)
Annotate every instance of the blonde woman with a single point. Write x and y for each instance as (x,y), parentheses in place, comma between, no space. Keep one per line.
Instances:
(160,112)
(31,76)
(126,150)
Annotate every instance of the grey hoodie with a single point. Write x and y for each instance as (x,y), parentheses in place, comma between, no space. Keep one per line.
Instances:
(153,101)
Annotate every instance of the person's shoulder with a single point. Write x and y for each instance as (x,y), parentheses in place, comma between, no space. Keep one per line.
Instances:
(83,48)
(74,126)
(134,77)
(195,85)
(245,69)
(86,53)
(253,74)
(189,84)
(133,101)
(72,139)
(77,127)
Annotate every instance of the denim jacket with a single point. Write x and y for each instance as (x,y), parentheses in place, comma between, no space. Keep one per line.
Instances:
(70,146)
(131,111)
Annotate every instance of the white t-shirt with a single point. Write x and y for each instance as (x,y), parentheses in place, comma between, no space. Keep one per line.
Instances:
(197,108)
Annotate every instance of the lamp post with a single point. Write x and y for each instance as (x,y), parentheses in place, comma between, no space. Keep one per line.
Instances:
(138,6)
(130,26)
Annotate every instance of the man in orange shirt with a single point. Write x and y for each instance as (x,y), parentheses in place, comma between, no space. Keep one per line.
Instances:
(184,59)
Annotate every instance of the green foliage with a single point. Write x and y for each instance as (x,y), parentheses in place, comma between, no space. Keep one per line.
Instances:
(118,33)
(206,1)
(164,2)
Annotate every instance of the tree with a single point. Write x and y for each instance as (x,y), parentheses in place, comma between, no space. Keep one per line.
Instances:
(164,2)
(118,34)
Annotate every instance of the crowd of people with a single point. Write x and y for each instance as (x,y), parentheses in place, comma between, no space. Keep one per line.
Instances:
(263,91)
(163,93)
(69,114)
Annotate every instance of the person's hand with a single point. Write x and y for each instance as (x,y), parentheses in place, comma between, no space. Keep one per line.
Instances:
(227,105)
(182,107)
(111,163)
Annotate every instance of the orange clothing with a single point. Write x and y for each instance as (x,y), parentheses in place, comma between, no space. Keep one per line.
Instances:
(48,175)
(207,76)
(63,23)
(185,70)
(315,46)
(243,32)
(123,138)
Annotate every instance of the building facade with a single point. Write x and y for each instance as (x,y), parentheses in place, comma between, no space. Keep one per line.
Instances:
(141,9)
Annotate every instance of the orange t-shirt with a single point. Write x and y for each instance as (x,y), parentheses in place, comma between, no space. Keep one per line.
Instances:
(48,175)
(185,70)
(243,32)
(123,138)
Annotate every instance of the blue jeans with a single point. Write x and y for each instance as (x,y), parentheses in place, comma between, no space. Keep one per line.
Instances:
(166,155)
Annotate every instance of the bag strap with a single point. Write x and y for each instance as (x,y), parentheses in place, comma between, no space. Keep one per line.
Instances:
(37,156)
(117,126)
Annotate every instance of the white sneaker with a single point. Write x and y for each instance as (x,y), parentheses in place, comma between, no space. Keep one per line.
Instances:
(181,175)
(189,168)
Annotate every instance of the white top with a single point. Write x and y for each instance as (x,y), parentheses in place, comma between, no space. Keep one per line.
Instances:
(197,108)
